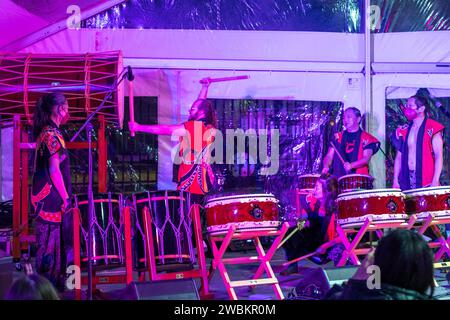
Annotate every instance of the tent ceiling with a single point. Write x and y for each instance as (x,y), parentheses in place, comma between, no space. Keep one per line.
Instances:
(28,21)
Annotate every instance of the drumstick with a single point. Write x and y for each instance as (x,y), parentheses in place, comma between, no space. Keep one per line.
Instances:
(226,79)
(299,227)
(339,155)
(337,151)
(300,258)
(131,98)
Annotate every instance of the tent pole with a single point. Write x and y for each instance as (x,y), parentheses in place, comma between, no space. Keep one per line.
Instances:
(368,68)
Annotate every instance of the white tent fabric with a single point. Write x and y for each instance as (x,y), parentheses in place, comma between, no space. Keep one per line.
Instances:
(18,21)
(413,47)
(207,44)
(31,20)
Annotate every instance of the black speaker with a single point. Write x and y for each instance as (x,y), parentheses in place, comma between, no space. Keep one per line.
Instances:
(182,289)
(317,281)
(6,275)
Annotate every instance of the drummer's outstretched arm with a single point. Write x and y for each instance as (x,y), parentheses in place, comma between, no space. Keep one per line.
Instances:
(159,129)
(204,90)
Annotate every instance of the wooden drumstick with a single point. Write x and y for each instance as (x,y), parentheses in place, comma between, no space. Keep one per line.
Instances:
(300,226)
(226,79)
(339,155)
(131,96)
(300,258)
(337,151)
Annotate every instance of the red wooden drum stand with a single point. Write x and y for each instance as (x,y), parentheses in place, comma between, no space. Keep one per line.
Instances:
(368,211)
(431,206)
(351,237)
(109,252)
(198,272)
(263,258)
(243,217)
(245,212)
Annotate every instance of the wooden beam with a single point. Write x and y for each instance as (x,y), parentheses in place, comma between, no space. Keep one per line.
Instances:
(102,155)
(16,186)
(24,190)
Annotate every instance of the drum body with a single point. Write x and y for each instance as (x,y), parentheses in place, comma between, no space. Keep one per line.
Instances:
(307,181)
(355,182)
(435,200)
(381,205)
(247,212)
(108,247)
(171,227)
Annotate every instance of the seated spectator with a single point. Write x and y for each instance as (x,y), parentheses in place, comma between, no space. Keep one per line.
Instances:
(32,287)
(406,271)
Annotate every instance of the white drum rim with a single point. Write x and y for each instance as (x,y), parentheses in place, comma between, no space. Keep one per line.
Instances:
(426,191)
(356,175)
(369,193)
(244,226)
(378,218)
(310,175)
(247,198)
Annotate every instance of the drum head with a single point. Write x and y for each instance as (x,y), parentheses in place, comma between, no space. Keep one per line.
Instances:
(369,193)
(355,175)
(427,191)
(311,175)
(83,197)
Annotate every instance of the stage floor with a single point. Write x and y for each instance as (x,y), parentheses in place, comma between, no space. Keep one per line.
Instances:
(239,272)
(287,283)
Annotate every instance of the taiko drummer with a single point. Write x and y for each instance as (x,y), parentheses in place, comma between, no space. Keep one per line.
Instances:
(351,149)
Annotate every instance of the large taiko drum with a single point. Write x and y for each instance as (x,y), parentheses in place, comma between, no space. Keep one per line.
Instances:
(355,182)
(171,227)
(247,212)
(108,247)
(307,181)
(435,200)
(381,205)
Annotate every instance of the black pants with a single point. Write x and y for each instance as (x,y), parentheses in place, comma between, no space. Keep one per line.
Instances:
(302,242)
(199,199)
(55,249)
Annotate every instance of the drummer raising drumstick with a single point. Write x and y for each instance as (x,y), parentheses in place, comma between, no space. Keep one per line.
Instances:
(194,174)
(351,149)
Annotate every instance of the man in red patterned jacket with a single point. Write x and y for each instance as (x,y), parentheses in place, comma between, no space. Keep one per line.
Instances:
(354,145)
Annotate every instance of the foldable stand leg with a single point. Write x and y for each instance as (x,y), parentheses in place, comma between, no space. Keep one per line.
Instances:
(265,265)
(203,273)
(263,258)
(218,260)
(426,224)
(444,244)
(349,252)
